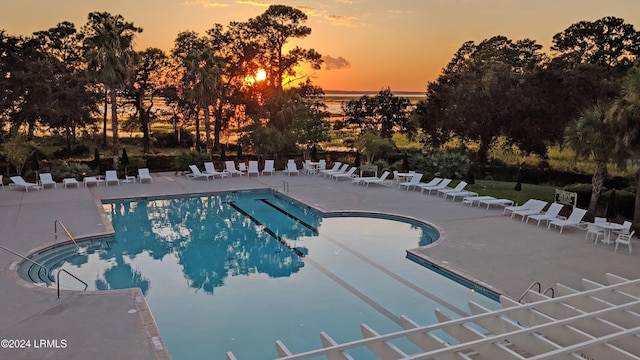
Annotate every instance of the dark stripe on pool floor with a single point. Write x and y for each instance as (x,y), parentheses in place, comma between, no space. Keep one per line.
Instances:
(302,222)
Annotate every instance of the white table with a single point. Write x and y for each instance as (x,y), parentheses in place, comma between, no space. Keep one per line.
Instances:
(128,179)
(91,180)
(608,227)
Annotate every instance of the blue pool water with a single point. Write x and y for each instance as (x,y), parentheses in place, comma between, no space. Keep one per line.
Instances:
(236,272)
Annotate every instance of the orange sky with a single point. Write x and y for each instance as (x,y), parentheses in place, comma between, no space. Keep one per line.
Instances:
(374,43)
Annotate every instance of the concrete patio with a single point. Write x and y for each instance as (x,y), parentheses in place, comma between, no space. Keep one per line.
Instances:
(503,253)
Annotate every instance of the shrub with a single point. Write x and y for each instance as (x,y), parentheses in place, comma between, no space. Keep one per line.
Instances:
(70,170)
(446,165)
(185,158)
(164,139)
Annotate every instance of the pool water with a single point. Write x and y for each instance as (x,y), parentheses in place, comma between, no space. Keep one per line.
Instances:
(236,272)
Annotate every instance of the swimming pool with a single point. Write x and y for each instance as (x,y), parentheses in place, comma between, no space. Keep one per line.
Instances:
(238,271)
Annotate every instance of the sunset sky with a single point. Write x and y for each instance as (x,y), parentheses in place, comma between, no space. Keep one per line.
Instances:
(368,44)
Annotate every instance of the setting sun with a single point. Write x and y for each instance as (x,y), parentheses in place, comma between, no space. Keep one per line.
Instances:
(261,75)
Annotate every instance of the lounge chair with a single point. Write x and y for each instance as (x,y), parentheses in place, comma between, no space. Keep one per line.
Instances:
(381,180)
(253,168)
(534,209)
(461,193)
(196,173)
(269,167)
(476,199)
(524,206)
(143,174)
(46,179)
(441,185)
(88,180)
(111,176)
(574,220)
(291,169)
(411,184)
(336,167)
(624,239)
(461,185)
(348,174)
(230,167)
(341,170)
(552,213)
(18,182)
(242,167)
(435,181)
(209,168)
(494,201)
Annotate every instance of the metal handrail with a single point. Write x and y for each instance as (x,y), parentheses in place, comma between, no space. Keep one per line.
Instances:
(529,288)
(55,224)
(25,258)
(552,292)
(75,277)
(285,186)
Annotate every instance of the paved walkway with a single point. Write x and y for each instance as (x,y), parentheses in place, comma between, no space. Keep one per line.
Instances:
(504,253)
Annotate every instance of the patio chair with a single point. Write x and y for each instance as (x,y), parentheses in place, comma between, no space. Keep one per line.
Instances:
(461,185)
(593,232)
(574,220)
(322,164)
(535,209)
(18,182)
(253,168)
(524,206)
(381,180)
(344,175)
(435,181)
(197,174)
(626,227)
(624,239)
(111,176)
(411,184)
(1,182)
(268,167)
(242,167)
(143,174)
(552,213)
(291,169)
(230,167)
(441,185)
(341,169)
(46,179)
(209,168)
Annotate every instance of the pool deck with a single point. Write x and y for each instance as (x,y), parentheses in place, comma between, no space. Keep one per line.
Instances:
(505,254)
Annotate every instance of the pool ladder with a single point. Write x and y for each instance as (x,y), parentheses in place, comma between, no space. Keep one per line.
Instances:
(284,185)
(539,286)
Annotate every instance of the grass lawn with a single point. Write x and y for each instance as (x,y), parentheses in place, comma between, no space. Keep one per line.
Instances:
(502,189)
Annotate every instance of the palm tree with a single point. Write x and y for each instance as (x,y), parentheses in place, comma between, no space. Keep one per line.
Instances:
(624,117)
(590,137)
(108,50)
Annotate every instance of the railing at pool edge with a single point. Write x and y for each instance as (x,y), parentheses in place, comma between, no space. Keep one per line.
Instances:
(25,258)
(285,186)
(70,274)
(55,224)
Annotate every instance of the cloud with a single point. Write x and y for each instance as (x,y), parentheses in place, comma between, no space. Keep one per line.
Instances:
(205,3)
(253,2)
(309,11)
(331,63)
(342,20)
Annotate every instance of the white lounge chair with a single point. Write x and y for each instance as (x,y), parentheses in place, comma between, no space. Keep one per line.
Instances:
(461,185)
(462,193)
(291,169)
(435,181)
(494,201)
(534,209)
(196,173)
(524,206)
(441,185)
(470,200)
(624,239)
(46,179)
(381,180)
(574,220)
(143,174)
(88,180)
(552,213)
(269,167)
(253,168)
(209,168)
(230,167)
(341,170)
(336,167)
(411,184)
(111,176)
(242,167)
(345,175)
(18,182)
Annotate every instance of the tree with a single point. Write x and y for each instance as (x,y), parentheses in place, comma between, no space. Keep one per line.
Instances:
(624,118)
(607,42)
(148,81)
(272,30)
(108,51)
(590,137)
(383,113)
(372,145)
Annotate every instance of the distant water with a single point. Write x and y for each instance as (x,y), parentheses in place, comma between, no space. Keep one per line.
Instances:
(335,99)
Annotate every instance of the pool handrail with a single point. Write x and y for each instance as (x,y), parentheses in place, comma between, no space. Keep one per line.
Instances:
(75,277)
(55,224)
(25,258)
